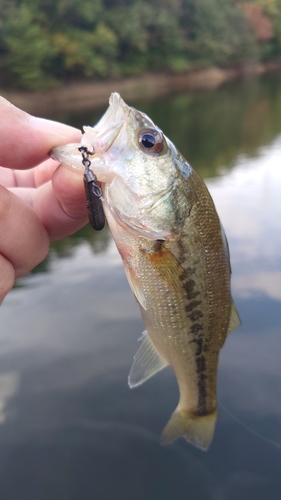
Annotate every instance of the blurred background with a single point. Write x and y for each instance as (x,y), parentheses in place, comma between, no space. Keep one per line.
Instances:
(46,43)
(70,428)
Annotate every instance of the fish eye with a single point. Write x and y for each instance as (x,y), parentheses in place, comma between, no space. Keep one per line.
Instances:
(150,140)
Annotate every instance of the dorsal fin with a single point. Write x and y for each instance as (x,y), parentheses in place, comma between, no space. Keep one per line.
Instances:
(146,363)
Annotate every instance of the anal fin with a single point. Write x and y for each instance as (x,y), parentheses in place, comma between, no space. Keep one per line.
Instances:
(146,363)
(234,320)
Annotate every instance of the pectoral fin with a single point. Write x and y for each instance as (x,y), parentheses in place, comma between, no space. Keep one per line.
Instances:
(146,363)
(134,285)
(168,268)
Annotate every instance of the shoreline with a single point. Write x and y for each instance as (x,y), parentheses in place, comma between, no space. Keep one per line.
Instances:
(78,96)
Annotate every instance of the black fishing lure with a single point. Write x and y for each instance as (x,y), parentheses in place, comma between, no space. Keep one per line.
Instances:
(93,193)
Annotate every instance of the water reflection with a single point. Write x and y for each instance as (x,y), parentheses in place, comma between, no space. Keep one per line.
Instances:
(71,428)
(248,200)
(97,241)
(8,387)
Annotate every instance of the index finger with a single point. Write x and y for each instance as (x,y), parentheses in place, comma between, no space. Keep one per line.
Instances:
(26,140)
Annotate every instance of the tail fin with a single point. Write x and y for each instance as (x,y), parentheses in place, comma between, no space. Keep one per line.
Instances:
(196,429)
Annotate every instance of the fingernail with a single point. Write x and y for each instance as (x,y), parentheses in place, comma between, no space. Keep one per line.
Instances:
(54,127)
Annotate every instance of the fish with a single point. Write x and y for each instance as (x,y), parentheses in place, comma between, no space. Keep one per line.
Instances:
(175,255)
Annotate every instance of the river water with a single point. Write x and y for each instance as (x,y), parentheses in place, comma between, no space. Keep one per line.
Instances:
(70,428)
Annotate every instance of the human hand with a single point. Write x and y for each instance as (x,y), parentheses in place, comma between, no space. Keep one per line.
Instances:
(39,200)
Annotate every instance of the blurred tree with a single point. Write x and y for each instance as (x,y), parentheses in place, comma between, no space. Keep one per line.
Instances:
(149,34)
(220,33)
(262,25)
(48,42)
(84,53)
(272,9)
(26,50)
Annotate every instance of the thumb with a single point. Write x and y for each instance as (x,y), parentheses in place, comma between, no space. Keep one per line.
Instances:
(60,203)
(26,140)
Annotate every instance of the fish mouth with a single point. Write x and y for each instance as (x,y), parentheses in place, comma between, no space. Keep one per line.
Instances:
(100,137)
(97,139)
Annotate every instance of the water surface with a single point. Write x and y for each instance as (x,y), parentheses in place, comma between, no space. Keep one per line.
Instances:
(70,428)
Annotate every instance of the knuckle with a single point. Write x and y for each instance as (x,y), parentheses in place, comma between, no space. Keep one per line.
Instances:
(33,254)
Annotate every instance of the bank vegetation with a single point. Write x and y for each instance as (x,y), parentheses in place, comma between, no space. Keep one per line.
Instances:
(45,44)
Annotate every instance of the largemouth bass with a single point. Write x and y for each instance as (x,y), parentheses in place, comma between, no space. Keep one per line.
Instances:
(175,254)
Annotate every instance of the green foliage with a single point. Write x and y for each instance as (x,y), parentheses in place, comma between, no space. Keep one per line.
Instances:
(149,35)
(221,34)
(26,51)
(48,42)
(273,9)
(85,53)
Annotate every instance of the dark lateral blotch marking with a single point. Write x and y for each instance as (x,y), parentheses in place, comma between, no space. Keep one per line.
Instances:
(201,366)
(189,286)
(202,389)
(195,315)
(199,345)
(192,305)
(196,327)
(188,272)
(181,248)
